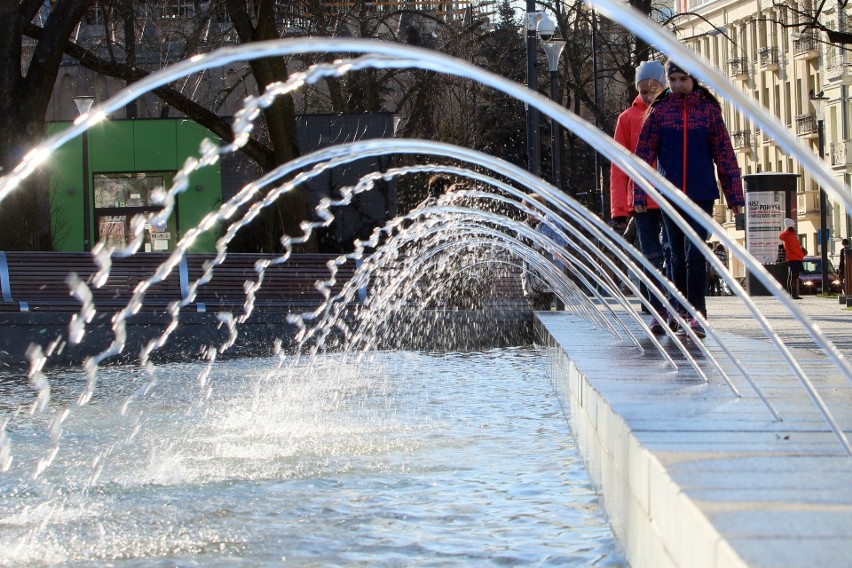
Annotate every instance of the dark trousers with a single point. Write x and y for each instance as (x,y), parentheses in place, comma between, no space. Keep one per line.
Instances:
(648,228)
(794,268)
(688,265)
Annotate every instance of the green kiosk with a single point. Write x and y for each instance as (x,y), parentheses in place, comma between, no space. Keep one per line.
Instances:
(102,180)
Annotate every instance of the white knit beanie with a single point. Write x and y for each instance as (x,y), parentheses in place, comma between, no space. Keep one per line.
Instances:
(789,223)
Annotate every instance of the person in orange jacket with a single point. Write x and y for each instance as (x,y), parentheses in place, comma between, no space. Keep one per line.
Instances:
(794,254)
(650,81)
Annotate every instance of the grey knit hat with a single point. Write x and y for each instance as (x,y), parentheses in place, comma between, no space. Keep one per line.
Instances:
(651,70)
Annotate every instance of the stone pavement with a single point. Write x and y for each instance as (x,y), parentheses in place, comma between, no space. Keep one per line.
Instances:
(727,314)
(692,475)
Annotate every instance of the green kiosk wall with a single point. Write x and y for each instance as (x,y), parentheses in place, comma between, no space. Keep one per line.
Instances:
(127,160)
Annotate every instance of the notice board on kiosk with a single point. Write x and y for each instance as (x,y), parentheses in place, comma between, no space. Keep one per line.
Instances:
(770,198)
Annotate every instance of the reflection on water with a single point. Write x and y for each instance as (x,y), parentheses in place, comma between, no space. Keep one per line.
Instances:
(407,459)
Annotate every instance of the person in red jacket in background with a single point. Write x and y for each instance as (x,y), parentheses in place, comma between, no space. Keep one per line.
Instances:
(794,254)
(650,81)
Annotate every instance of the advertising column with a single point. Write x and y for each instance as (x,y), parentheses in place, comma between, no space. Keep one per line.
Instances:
(770,198)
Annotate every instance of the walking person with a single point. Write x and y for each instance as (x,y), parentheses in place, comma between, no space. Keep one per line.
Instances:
(794,254)
(715,288)
(650,82)
(844,259)
(687,137)
(540,294)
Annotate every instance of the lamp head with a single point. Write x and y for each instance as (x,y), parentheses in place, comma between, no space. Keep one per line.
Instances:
(818,102)
(83,103)
(545,27)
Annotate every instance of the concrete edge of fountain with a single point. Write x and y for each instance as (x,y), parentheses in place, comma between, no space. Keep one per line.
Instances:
(690,475)
(433,329)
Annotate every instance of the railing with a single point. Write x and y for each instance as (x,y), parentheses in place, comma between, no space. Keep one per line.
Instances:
(769,57)
(806,125)
(806,47)
(738,67)
(838,66)
(741,140)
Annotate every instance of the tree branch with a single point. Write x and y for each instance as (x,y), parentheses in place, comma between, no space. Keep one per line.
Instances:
(210,120)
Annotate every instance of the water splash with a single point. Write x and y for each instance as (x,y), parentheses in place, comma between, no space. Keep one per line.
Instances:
(470,221)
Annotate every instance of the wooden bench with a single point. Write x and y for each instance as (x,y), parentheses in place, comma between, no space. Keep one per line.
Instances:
(38,281)
(291,284)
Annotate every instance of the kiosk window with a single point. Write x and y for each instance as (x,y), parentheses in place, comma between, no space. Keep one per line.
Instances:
(119,197)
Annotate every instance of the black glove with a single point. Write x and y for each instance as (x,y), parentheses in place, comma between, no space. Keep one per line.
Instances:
(618,224)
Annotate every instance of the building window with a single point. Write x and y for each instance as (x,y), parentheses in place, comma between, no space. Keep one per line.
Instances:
(95,15)
(174,9)
(119,198)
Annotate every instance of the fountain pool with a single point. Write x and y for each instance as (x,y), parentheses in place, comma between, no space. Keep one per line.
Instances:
(400,459)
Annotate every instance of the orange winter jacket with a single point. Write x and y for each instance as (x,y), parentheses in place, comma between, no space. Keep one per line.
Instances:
(627,131)
(792,246)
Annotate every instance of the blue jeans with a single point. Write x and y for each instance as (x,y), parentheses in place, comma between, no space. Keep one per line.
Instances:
(688,265)
(648,229)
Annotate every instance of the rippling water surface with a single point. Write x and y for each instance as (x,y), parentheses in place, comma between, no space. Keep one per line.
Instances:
(404,459)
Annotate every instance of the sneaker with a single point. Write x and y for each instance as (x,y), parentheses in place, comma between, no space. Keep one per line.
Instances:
(656,327)
(672,323)
(696,328)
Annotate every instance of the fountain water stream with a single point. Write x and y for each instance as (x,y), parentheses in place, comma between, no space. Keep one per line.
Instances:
(466,231)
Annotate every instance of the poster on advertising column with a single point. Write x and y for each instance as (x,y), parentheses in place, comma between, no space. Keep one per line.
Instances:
(764,221)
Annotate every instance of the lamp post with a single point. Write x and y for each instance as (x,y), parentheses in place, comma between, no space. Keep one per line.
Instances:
(84,104)
(538,25)
(597,98)
(553,48)
(818,102)
(532,83)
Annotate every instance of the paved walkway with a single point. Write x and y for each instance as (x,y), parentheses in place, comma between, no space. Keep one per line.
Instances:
(692,475)
(727,314)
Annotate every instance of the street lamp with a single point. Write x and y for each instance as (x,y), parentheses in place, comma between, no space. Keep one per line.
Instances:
(553,48)
(538,25)
(818,102)
(84,104)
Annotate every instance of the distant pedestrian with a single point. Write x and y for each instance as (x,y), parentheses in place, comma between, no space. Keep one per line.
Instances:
(794,253)
(540,294)
(844,255)
(715,279)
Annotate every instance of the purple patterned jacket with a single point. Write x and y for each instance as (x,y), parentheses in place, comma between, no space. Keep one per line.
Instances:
(707,144)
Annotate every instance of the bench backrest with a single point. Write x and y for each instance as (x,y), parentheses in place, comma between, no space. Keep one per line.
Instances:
(39,280)
(292,281)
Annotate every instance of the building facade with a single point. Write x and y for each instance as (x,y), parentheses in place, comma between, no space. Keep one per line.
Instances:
(766,49)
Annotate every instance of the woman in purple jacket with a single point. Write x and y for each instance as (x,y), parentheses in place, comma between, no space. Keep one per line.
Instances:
(685,134)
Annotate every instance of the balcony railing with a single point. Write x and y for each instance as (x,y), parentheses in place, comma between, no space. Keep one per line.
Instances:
(806,47)
(741,140)
(806,125)
(838,67)
(738,68)
(769,58)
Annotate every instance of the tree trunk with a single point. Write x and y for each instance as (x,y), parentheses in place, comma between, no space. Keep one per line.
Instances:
(292,208)
(24,98)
